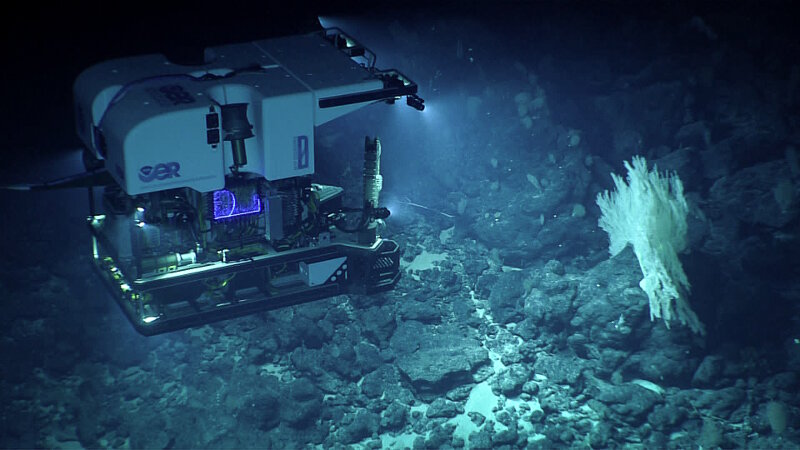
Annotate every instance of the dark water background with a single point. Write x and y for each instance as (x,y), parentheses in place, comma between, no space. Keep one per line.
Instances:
(522,331)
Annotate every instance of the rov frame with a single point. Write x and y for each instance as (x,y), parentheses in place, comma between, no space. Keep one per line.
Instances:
(222,290)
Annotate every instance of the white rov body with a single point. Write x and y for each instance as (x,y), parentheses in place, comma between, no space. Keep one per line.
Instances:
(157,124)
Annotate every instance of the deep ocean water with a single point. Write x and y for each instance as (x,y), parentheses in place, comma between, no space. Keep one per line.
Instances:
(512,326)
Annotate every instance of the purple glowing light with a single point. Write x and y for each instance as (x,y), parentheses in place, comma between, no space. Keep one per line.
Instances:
(227,205)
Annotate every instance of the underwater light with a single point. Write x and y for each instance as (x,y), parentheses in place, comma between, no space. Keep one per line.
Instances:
(415,102)
(138,216)
(149,319)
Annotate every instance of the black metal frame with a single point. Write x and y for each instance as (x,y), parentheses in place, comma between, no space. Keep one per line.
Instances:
(395,83)
(370,269)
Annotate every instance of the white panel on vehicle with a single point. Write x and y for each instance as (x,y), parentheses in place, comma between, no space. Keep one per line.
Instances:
(318,273)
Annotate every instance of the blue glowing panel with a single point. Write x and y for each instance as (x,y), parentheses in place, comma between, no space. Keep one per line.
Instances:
(227,204)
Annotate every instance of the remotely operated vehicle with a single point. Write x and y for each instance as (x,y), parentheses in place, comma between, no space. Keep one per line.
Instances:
(203,205)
